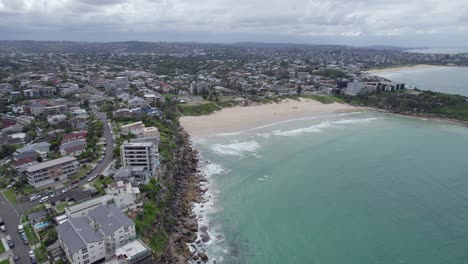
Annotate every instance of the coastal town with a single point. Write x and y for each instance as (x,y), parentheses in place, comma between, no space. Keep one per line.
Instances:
(94,164)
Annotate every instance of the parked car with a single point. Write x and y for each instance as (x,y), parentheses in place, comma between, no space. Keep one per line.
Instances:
(17,259)
(31,254)
(9,241)
(54,194)
(20,229)
(2,228)
(33,260)
(1,221)
(25,240)
(44,199)
(34,197)
(66,190)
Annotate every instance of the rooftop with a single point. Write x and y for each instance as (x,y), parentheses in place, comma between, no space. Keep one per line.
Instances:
(50,163)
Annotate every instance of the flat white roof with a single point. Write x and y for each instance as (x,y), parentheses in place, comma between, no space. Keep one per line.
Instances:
(50,163)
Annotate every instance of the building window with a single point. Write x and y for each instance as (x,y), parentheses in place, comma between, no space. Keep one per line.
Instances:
(84,250)
(86,261)
(85,256)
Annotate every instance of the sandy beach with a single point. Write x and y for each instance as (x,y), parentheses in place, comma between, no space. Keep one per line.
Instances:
(236,119)
(395,69)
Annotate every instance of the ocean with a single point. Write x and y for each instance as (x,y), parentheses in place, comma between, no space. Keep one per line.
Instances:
(362,187)
(452,80)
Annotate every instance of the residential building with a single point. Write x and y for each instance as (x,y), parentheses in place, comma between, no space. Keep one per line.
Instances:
(133,128)
(41,148)
(141,154)
(54,119)
(83,208)
(73,148)
(95,236)
(132,253)
(354,88)
(74,136)
(48,172)
(135,174)
(150,132)
(125,196)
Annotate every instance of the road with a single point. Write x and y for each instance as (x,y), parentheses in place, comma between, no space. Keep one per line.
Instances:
(11,219)
(11,213)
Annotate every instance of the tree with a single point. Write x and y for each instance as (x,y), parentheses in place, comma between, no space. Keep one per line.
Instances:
(299,90)
(6,150)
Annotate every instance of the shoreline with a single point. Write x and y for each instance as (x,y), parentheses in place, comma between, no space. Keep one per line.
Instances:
(400,68)
(232,120)
(197,190)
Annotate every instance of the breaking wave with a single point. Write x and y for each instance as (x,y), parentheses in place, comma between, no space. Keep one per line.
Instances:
(236,149)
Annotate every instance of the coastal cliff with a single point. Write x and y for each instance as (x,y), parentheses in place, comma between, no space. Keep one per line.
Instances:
(183,184)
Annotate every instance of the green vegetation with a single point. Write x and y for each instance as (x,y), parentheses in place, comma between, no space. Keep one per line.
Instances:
(6,261)
(41,253)
(60,208)
(31,235)
(198,110)
(7,150)
(10,195)
(81,172)
(101,183)
(2,249)
(416,102)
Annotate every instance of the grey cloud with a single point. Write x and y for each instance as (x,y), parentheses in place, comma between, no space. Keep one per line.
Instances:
(302,20)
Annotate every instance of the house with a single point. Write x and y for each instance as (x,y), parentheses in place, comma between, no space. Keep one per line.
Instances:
(150,132)
(37,217)
(133,128)
(131,253)
(79,122)
(73,148)
(36,149)
(125,196)
(122,112)
(137,102)
(134,174)
(95,236)
(54,119)
(74,136)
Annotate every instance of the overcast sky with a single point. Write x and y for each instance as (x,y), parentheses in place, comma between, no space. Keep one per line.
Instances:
(366,22)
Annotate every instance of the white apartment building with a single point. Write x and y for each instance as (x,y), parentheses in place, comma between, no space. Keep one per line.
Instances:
(354,88)
(140,154)
(125,196)
(95,236)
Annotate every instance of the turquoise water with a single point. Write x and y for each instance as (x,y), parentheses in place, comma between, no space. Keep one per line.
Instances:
(341,188)
(452,80)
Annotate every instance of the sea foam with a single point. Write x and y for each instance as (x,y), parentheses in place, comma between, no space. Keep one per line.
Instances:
(236,149)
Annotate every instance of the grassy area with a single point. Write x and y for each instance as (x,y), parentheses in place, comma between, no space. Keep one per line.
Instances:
(6,261)
(31,235)
(61,207)
(81,172)
(198,110)
(41,254)
(2,249)
(10,195)
(100,182)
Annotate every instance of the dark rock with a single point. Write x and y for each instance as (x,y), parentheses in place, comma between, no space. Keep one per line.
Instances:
(205,237)
(203,256)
